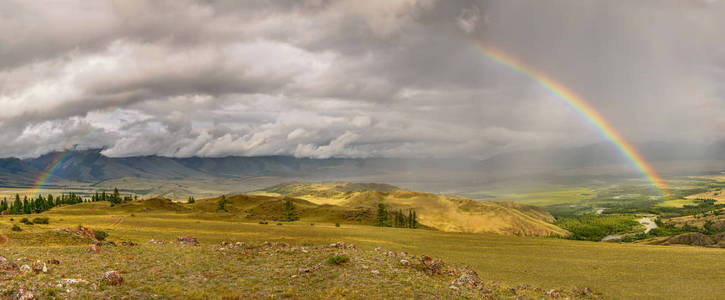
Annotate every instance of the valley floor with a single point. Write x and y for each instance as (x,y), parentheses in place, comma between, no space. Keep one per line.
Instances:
(613,270)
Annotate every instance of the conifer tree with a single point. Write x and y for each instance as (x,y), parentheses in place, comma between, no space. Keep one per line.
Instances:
(289,214)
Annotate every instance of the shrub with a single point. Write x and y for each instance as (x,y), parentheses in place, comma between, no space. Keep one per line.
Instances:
(43,220)
(279,224)
(337,224)
(263,222)
(338,259)
(100,235)
(24,220)
(17,228)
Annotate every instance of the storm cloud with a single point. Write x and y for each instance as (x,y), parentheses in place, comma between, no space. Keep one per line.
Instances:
(353,78)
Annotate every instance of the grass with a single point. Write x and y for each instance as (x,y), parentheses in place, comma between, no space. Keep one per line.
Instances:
(596,227)
(616,270)
(677,203)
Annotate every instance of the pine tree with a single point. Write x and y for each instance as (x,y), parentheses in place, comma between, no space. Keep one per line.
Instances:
(17,207)
(26,205)
(289,214)
(4,205)
(191,200)
(222,203)
(382,218)
(414,221)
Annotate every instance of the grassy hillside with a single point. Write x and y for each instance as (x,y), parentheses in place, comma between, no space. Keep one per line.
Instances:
(617,271)
(446,213)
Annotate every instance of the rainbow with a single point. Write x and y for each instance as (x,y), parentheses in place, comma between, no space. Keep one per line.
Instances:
(578,104)
(55,164)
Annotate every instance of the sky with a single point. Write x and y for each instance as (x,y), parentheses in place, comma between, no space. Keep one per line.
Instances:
(374,78)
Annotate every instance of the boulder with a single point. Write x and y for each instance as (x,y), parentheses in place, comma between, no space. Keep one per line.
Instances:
(23,294)
(93,248)
(39,266)
(25,268)
(112,278)
(188,240)
(469,279)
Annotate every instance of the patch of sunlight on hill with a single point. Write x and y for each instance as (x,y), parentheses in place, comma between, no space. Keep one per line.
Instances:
(445,213)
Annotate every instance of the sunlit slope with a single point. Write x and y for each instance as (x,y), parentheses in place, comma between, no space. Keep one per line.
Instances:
(446,213)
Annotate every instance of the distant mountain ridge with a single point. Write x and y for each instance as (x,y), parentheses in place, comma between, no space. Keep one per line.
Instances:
(92,166)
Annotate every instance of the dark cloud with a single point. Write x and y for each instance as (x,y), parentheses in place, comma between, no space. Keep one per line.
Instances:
(352,78)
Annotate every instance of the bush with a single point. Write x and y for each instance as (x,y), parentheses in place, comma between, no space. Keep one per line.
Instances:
(24,220)
(100,235)
(263,222)
(41,220)
(17,228)
(338,259)
(337,224)
(279,224)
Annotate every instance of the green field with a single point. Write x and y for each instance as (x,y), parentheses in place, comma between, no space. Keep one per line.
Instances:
(615,270)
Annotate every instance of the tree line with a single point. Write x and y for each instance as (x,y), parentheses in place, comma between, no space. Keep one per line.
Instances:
(40,203)
(397,218)
(36,205)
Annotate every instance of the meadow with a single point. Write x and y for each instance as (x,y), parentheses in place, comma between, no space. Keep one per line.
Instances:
(612,269)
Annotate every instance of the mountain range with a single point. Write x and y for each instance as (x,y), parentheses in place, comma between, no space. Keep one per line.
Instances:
(92,166)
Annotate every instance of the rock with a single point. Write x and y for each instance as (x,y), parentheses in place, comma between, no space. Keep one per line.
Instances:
(23,294)
(337,245)
(469,279)
(453,287)
(351,246)
(72,281)
(54,262)
(94,249)
(378,249)
(553,293)
(404,262)
(39,266)
(188,240)
(112,278)
(433,266)
(312,269)
(152,241)
(375,272)
(25,268)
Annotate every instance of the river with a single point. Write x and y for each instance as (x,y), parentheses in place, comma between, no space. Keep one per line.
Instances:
(648,223)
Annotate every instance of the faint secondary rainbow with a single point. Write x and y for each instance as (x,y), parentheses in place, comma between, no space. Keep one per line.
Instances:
(578,104)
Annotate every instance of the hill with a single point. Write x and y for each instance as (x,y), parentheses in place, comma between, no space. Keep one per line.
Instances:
(281,261)
(446,213)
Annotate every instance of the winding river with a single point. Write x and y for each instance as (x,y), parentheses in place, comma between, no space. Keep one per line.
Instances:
(648,223)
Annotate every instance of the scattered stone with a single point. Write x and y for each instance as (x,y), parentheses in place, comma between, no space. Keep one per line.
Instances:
(453,287)
(25,268)
(375,272)
(309,270)
(378,249)
(54,262)
(337,245)
(470,279)
(112,278)
(553,293)
(188,240)
(23,294)
(431,265)
(71,281)
(39,266)
(94,249)
(404,262)
(152,241)
(351,246)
